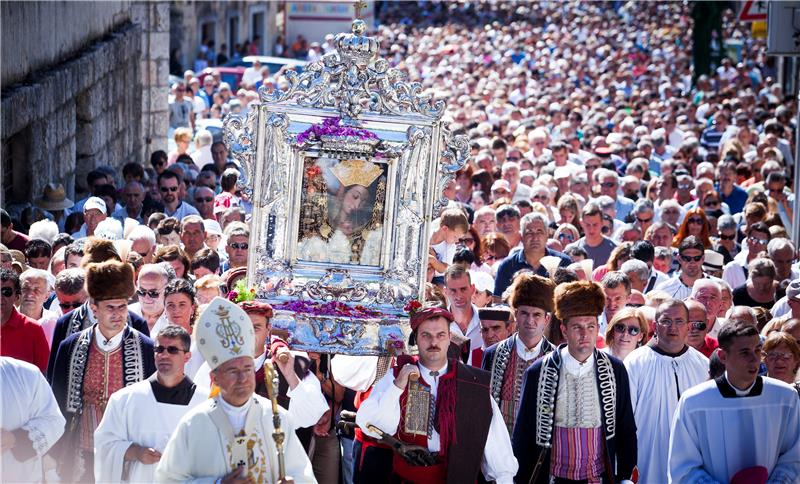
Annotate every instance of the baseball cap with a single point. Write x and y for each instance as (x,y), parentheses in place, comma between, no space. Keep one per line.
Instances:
(482,281)
(95,202)
(501,185)
(212,227)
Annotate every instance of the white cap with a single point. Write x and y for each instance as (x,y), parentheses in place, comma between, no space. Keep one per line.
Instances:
(109,229)
(482,281)
(95,202)
(212,227)
(224,332)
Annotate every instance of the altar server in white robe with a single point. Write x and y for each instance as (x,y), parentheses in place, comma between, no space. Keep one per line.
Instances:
(658,374)
(230,436)
(30,419)
(140,419)
(741,427)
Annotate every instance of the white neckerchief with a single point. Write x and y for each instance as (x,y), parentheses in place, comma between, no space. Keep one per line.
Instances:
(236,415)
(432,381)
(525,353)
(107,345)
(574,366)
(740,393)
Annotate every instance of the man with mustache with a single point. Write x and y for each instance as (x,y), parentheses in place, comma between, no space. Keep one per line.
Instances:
(740,427)
(92,364)
(575,422)
(660,372)
(442,406)
(532,301)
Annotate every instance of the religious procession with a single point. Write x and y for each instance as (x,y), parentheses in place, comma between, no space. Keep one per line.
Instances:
(468,242)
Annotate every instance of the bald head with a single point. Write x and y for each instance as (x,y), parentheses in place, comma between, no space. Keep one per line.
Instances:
(741,313)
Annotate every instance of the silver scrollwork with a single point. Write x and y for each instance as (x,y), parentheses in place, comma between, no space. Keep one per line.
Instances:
(239,137)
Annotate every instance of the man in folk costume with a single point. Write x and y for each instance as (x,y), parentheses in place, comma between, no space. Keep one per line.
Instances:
(94,363)
(128,446)
(95,250)
(532,301)
(740,427)
(29,418)
(229,438)
(660,372)
(299,391)
(575,422)
(445,410)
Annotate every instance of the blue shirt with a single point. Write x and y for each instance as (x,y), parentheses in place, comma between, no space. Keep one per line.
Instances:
(735,200)
(516,262)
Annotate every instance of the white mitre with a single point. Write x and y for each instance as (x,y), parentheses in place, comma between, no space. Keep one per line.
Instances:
(224,332)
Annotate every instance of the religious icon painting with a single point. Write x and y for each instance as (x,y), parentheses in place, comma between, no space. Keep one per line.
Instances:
(342,211)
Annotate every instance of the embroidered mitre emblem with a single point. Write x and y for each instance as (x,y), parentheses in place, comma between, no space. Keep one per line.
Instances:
(230,333)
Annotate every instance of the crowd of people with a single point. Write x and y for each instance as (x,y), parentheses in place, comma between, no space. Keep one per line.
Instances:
(612,293)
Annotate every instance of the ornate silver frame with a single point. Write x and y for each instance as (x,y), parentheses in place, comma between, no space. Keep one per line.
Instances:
(422,158)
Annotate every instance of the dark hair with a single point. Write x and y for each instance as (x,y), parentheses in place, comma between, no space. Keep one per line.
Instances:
(576,251)
(181,286)
(37,248)
(758,227)
(228,179)
(168,225)
(107,191)
(464,256)
(734,329)
(169,174)
(207,258)
(168,253)
(643,250)
(614,279)
(133,169)
(93,176)
(62,240)
(5,219)
(158,155)
(715,366)
(173,331)
(9,275)
(564,275)
(691,242)
(455,271)
(75,248)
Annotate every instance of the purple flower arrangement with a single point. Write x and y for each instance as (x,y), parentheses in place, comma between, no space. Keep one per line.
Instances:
(333,308)
(333,127)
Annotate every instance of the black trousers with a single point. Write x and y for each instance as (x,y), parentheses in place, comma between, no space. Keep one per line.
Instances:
(376,466)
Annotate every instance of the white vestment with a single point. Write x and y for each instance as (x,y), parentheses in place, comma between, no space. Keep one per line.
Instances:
(338,248)
(714,437)
(133,416)
(382,409)
(307,404)
(656,382)
(28,404)
(205,446)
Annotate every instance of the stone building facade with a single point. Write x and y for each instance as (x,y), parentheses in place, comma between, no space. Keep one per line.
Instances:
(84,84)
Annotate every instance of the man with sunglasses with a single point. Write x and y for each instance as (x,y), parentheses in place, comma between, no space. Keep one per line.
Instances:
(758,237)
(140,419)
(698,337)
(170,184)
(690,260)
(93,364)
(21,337)
(150,284)
(70,294)
(204,201)
(659,373)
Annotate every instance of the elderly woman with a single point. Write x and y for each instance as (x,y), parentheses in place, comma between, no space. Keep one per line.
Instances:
(781,354)
(626,331)
(759,290)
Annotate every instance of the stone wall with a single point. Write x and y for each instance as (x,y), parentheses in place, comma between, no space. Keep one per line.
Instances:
(154,67)
(74,116)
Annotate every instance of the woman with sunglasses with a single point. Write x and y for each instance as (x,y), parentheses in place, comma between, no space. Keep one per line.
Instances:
(694,223)
(495,248)
(566,234)
(712,203)
(781,355)
(626,331)
(472,241)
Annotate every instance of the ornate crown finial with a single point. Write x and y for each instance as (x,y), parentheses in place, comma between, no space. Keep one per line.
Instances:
(356,46)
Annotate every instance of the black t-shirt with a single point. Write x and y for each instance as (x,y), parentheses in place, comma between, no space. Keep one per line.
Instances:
(742,298)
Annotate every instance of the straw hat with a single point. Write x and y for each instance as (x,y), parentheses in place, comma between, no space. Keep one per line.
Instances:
(54,198)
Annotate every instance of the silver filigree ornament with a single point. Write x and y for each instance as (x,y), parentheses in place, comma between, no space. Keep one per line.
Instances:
(239,137)
(352,81)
